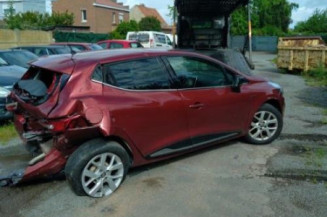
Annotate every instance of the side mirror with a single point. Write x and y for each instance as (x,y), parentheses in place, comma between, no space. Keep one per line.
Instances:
(238,81)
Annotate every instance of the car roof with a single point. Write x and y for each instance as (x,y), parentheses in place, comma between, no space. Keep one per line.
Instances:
(41,46)
(13,50)
(117,40)
(64,63)
(102,55)
(71,43)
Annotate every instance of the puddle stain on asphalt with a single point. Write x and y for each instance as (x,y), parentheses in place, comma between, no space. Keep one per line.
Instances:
(155,182)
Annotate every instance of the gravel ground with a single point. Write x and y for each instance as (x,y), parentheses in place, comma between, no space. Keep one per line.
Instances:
(285,178)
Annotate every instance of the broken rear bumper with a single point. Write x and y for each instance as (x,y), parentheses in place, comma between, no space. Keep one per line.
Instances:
(53,163)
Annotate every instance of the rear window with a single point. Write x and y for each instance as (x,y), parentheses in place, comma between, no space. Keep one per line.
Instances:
(143,37)
(38,84)
(115,45)
(133,37)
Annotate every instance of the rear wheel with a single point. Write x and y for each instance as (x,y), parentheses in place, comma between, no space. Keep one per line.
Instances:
(97,168)
(266,125)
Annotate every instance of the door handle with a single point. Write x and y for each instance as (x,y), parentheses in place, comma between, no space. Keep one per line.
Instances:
(196,106)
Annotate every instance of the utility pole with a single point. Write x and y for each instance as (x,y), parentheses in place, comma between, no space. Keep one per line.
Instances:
(250,32)
(174,25)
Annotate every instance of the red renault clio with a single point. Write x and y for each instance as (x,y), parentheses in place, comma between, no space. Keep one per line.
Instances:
(95,115)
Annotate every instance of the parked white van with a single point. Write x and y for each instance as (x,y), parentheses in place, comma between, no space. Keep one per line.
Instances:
(150,39)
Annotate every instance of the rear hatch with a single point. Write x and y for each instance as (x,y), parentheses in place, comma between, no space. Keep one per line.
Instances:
(38,91)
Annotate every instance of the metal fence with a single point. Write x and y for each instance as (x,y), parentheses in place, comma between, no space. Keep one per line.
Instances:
(259,43)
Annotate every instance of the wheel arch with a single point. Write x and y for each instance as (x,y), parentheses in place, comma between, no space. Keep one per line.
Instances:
(275,103)
(124,144)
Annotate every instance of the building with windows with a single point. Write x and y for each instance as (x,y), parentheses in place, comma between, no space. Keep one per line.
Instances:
(140,11)
(21,6)
(102,16)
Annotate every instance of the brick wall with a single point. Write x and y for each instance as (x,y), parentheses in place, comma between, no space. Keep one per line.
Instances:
(98,19)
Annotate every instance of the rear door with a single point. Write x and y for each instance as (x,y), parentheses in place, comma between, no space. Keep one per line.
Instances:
(214,111)
(144,106)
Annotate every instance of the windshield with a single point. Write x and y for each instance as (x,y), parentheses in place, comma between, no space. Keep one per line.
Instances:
(19,58)
(62,50)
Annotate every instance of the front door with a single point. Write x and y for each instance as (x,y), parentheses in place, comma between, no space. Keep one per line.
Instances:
(214,111)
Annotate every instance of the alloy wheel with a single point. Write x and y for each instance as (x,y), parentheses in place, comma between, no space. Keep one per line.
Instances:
(264,126)
(102,175)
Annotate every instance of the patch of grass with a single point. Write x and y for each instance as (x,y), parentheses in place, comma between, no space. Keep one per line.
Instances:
(324,121)
(7,132)
(317,76)
(324,112)
(274,61)
(315,157)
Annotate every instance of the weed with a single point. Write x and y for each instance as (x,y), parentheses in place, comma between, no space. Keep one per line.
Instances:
(317,76)
(7,132)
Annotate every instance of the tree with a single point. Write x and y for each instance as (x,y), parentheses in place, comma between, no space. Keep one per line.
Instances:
(149,24)
(172,10)
(35,20)
(268,17)
(123,28)
(317,23)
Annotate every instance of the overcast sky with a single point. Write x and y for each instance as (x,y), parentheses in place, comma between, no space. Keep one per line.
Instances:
(306,7)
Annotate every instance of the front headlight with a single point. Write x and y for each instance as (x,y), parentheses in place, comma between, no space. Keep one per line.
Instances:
(277,86)
(4,93)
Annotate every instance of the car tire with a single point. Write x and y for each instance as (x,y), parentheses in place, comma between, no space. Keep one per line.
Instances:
(97,168)
(266,126)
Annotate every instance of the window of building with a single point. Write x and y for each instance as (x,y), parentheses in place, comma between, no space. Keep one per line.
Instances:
(114,18)
(121,17)
(84,16)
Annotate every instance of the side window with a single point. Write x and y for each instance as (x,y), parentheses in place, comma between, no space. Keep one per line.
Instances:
(194,72)
(114,45)
(160,38)
(168,40)
(97,74)
(78,47)
(141,74)
(103,45)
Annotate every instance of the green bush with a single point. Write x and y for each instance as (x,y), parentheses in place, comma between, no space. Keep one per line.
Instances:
(35,20)
(123,28)
(317,76)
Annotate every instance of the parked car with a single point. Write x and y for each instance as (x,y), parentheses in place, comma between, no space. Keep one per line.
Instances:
(8,76)
(79,47)
(117,44)
(150,39)
(99,114)
(17,57)
(46,50)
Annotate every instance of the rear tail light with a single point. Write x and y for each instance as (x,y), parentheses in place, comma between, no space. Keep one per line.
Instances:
(61,124)
(12,106)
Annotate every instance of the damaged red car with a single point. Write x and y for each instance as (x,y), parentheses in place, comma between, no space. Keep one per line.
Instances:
(95,115)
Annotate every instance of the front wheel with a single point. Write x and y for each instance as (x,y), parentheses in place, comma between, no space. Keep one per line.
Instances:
(266,125)
(97,168)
